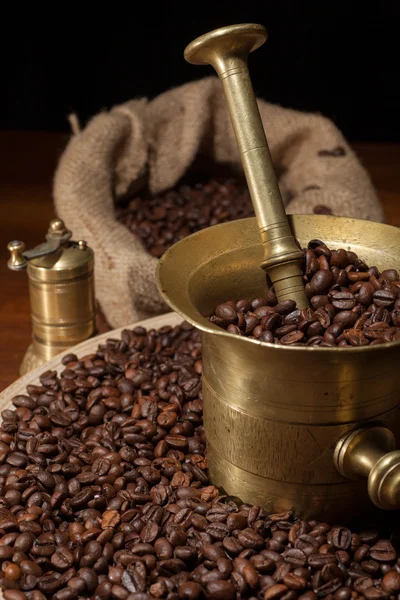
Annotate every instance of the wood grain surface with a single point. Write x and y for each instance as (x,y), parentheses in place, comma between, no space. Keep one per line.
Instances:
(27,164)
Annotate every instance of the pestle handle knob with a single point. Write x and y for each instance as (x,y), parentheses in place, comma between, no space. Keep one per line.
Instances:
(370,452)
(211,48)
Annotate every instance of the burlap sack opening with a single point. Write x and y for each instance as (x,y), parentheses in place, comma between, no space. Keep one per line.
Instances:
(155,143)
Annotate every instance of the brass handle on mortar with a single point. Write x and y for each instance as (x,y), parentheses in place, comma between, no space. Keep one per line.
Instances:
(227,50)
(370,452)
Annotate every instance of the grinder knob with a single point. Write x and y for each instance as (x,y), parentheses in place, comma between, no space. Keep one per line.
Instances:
(17,260)
(370,452)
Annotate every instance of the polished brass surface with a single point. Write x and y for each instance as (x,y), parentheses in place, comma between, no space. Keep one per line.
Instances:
(56,237)
(273,415)
(227,50)
(370,452)
(16,261)
(61,289)
(57,227)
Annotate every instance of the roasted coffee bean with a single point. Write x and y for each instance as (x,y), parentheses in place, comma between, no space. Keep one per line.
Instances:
(190,591)
(292,338)
(221,590)
(275,591)
(346,318)
(373,593)
(226,312)
(343,301)
(295,557)
(29,567)
(90,578)
(249,538)
(24,401)
(149,532)
(6,552)
(294,582)
(362,583)
(285,307)
(391,582)
(78,584)
(327,588)
(343,593)
(319,301)
(365,293)
(332,571)
(369,537)
(318,561)
(281,570)
(11,594)
(267,336)
(384,298)
(12,572)
(361,553)
(341,538)
(62,559)
(321,281)
(383,552)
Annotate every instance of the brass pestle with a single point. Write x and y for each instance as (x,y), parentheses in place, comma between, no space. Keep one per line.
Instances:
(311,430)
(227,50)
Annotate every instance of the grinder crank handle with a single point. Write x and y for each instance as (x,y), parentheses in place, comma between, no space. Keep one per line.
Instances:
(227,50)
(370,452)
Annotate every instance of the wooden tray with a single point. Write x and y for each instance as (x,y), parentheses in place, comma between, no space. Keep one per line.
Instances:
(87,347)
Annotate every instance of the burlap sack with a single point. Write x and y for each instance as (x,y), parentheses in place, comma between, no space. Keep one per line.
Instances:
(157,142)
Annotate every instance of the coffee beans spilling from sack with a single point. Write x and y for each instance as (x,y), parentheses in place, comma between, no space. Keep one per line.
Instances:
(160,221)
(104,494)
(351,305)
(194,204)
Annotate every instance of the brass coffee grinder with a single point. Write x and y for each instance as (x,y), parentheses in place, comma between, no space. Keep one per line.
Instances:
(307,429)
(61,290)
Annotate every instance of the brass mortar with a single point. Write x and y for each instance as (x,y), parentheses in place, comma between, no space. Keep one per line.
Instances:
(289,428)
(280,421)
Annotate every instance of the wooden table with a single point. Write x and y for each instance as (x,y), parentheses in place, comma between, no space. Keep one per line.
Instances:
(27,164)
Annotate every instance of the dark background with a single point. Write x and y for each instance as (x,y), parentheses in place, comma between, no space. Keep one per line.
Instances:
(339,59)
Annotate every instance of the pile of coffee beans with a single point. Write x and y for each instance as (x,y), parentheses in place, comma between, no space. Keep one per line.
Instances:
(104,494)
(160,221)
(352,304)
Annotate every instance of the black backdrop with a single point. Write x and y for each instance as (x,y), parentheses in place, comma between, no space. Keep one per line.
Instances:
(341,59)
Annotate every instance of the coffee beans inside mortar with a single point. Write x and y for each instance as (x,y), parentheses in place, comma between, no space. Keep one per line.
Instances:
(352,304)
(104,494)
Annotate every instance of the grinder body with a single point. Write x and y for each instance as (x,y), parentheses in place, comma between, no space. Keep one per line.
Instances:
(61,290)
